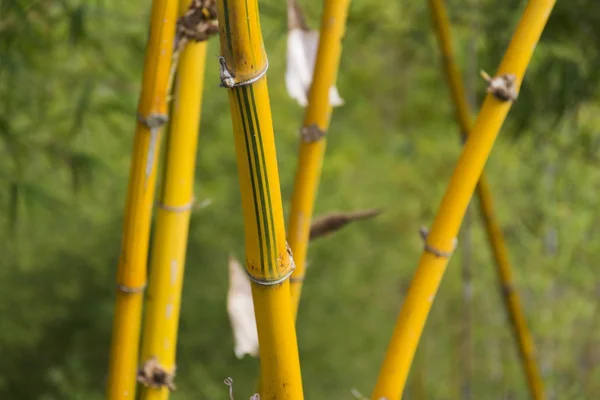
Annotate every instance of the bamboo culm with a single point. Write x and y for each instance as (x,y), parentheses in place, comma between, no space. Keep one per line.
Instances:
(441,239)
(494,233)
(131,271)
(173,215)
(269,261)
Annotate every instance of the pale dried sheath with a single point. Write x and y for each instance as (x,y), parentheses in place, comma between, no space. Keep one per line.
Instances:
(241,311)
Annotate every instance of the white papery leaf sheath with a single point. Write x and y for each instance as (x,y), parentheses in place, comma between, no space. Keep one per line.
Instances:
(302,48)
(241,311)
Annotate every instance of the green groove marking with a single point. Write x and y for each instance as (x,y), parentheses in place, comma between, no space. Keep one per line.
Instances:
(236,93)
(249,33)
(259,176)
(227,27)
(264,165)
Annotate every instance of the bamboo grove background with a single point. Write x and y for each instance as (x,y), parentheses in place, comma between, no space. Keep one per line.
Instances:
(69,84)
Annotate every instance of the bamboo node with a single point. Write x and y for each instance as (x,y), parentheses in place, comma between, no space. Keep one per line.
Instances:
(502,87)
(176,209)
(282,278)
(424,232)
(228,80)
(130,289)
(311,133)
(153,121)
(507,289)
(153,375)
(199,22)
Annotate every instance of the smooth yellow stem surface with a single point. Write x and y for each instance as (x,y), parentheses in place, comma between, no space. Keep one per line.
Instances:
(173,215)
(268,261)
(310,159)
(131,274)
(495,236)
(429,273)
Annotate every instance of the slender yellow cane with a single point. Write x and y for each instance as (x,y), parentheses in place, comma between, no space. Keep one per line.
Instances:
(269,261)
(440,240)
(131,274)
(172,222)
(312,137)
(495,236)
(312,140)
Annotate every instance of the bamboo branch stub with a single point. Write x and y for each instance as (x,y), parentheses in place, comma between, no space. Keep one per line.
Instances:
(333,222)
(199,23)
(153,375)
(311,133)
(502,87)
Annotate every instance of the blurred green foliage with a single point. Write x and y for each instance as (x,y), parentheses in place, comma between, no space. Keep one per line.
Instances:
(70,74)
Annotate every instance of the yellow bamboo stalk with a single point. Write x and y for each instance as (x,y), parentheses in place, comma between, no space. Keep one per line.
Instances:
(494,233)
(269,261)
(172,222)
(312,137)
(131,273)
(440,241)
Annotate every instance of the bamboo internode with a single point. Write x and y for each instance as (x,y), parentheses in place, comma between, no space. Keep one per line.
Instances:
(131,274)
(440,240)
(268,258)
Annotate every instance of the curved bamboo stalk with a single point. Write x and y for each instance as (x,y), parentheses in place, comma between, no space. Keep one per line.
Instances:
(440,241)
(172,222)
(131,274)
(269,261)
(312,137)
(494,233)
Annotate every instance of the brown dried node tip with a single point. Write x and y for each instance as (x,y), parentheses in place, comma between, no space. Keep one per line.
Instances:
(153,375)
(502,87)
(332,222)
(311,133)
(199,22)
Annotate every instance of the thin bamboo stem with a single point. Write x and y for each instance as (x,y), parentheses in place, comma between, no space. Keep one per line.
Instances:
(440,241)
(511,298)
(172,222)
(312,137)
(269,262)
(131,273)
(494,233)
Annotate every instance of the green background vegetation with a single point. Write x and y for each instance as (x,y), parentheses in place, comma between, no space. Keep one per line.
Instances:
(70,74)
